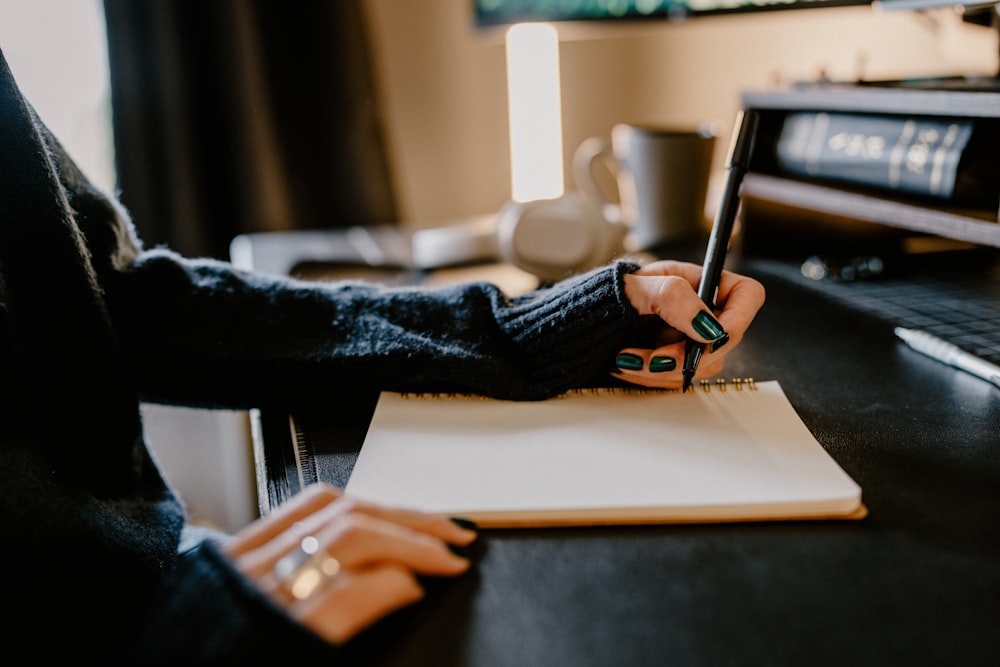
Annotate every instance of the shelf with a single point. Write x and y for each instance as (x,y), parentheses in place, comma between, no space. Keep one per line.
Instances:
(972,226)
(811,206)
(871,99)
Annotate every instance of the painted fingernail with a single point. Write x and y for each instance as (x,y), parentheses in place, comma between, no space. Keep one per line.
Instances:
(629,362)
(662,364)
(461,552)
(719,343)
(464,523)
(707,326)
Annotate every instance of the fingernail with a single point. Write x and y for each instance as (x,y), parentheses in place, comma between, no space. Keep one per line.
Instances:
(461,552)
(662,364)
(707,326)
(719,343)
(464,523)
(629,362)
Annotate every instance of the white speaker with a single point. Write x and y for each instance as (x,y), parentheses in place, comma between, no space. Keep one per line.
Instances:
(550,238)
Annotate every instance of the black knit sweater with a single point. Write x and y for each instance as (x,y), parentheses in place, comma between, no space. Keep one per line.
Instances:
(91,324)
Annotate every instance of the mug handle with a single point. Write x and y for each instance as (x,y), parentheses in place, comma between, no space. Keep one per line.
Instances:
(589,153)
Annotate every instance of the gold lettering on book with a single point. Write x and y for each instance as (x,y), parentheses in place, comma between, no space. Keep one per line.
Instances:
(899,152)
(940,155)
(814,149)
(918,154)
(857,145)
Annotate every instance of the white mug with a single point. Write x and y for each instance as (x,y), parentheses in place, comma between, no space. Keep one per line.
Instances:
(661,176)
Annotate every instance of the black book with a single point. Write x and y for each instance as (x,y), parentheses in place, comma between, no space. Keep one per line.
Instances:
(948,159)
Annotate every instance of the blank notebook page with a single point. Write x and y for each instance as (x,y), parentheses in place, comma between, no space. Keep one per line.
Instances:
(603,457)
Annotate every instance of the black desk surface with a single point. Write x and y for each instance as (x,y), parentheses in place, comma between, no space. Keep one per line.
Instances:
(917,582)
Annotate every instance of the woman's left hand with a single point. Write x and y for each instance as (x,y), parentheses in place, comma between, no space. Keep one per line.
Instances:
(337,565)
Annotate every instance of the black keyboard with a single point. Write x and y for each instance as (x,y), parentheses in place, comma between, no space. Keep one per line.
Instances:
(954,296)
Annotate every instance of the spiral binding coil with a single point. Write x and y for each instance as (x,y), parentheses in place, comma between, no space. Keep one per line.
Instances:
(739,384)
(720,384)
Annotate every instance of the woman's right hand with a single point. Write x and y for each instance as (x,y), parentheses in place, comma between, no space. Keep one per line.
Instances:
(365,563)
(668,290)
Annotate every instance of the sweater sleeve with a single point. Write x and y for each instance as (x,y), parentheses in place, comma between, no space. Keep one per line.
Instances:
(206,613)
(201,332)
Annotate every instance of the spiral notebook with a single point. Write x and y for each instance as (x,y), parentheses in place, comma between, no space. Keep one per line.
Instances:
(727,451)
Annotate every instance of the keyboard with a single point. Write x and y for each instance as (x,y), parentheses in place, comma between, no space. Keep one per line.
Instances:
(954,296)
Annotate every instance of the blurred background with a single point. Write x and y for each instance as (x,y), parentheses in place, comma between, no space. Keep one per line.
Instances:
(214,118)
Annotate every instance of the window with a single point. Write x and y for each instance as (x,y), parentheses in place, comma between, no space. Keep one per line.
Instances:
(58,52)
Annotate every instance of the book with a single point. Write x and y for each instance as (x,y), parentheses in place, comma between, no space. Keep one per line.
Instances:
(933,157)
(727,451)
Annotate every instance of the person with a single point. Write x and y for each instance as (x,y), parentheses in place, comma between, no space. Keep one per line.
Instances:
(99,561)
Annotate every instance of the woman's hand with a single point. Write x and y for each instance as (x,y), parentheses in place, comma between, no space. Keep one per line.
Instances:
(666,292)
(337,565)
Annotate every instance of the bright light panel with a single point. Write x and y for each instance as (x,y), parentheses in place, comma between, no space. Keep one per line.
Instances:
(57,50)
(533,98)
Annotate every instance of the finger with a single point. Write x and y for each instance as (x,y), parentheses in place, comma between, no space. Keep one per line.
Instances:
(661,368)
(660,362)
(355,543)
(740,299)
(359,540)
(260,560)
(298,508)
(353,601)
(710,366)
(669,267)
(454,530)
(728,281)
(674,300)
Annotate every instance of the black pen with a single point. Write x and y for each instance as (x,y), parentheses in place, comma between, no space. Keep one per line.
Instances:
(722,229)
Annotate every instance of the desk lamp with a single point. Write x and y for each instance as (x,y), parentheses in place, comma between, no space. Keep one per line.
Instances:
(542,229)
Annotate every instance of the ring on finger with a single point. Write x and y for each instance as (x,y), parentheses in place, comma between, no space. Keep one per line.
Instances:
(306,568)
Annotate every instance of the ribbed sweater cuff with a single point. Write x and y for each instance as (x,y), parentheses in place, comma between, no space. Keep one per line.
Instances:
(592,320)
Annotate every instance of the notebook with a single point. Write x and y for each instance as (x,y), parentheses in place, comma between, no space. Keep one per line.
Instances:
(727,451)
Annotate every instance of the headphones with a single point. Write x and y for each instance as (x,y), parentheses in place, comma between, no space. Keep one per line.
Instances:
(550,238)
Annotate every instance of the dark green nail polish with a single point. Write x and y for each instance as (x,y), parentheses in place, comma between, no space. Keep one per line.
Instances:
(629,362)
(707,326)
(464,523)
(719,343)
(461,552)
(662,364)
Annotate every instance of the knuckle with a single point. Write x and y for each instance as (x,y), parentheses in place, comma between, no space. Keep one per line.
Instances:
(351,531)
(347,505)
(673,287)
(323,491)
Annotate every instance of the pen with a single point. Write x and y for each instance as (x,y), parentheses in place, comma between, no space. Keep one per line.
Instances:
(946,353)
(722,229)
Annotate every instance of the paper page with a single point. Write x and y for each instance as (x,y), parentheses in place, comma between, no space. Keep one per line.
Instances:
(613,457)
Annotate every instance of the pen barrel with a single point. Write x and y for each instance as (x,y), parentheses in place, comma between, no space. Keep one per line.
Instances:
(740,151)
(718,240)
(722,227)
(978,367)
(933,347)
(950,354)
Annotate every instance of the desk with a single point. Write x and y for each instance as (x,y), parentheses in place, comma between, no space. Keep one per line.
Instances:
(915,583)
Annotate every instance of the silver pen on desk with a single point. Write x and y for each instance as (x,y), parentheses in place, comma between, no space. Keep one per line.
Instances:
(946,353)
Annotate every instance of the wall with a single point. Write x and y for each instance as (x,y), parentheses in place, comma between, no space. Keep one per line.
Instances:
(206,456)
(443,92)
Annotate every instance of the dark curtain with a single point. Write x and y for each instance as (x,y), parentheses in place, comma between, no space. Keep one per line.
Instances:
(234,116)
